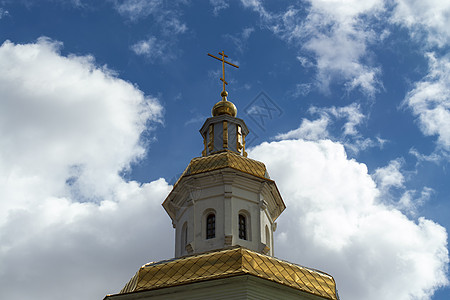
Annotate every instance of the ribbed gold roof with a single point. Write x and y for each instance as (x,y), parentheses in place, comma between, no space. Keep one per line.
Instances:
(227,263)
(224,160)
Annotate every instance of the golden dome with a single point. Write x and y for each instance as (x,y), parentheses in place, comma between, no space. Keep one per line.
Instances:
(224,107)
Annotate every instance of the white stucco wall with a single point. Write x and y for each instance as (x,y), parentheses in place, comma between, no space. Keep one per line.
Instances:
(228,193)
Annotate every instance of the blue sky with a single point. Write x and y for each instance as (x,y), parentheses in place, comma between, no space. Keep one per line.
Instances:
(347,103)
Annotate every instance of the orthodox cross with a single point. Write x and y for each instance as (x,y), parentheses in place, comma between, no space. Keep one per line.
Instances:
(223,66)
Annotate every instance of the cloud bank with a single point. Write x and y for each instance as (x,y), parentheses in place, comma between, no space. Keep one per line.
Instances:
(68,221)
(336,222)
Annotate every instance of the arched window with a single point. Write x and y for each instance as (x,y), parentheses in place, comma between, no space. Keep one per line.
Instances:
(184,238)
(267,236)
(211,226)
(242,227)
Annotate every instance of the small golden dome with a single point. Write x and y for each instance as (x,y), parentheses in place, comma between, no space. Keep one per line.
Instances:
(224,107)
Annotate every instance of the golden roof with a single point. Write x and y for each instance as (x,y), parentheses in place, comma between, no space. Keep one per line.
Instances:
(230,262)
(226,159)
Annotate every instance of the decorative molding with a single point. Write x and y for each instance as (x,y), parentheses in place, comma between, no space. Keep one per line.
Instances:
(239,141)
(211,138)
(225,134)
(243,146)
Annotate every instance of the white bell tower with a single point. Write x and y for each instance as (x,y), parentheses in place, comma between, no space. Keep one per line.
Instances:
(223,198)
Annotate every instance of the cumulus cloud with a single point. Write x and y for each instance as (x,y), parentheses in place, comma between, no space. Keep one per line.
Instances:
(429,101)
(334,222)
(68,128)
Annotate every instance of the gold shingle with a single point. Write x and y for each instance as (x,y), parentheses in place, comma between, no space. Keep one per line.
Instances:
(226,159)
(230,262)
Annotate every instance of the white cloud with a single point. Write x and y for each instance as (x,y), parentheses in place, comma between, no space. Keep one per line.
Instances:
(137,9)
(391,184)
(427,20)
(337,34)
(240,40)
(435,157)
(334,222)
(349,116)
(308,130)
(3,13)
(161,45)
(412,199)
(305,62)
(173,26)
(389,176)
(338,38)
(67,219)
(352,113)
(301,90)
(429,101)
(153,49)
(167,17)
(246,32)
(257,6)
(218,5)
(165,14)
(198,120)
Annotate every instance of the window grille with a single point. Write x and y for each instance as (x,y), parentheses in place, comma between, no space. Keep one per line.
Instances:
(242,227)
(211,226)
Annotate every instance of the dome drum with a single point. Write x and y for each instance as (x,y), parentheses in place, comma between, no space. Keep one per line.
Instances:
(224,133)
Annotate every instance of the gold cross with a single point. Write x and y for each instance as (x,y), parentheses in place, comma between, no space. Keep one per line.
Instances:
(223,66)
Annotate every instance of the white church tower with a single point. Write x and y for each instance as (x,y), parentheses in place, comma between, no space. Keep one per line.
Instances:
(223,208)
(224,198)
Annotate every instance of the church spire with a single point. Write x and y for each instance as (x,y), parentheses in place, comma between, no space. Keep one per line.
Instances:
(224,107)
(224,132)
